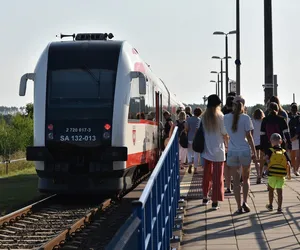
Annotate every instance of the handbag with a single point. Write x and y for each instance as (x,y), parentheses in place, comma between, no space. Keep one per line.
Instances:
(199,140)
(183,140)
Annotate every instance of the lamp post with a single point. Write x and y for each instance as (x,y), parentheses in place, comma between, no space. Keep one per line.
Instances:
(222,87)
(238,60)
(226,53)
(216,86)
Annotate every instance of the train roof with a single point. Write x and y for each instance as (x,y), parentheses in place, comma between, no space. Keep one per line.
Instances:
(96,42)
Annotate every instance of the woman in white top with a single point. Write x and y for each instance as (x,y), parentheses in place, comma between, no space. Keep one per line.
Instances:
(215,136)
(239,126)
(258,115)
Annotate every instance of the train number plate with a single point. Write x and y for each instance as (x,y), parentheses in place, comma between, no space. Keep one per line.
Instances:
(76,130)
(78,138)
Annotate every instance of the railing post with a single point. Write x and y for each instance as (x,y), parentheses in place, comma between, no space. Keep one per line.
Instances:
(139,210)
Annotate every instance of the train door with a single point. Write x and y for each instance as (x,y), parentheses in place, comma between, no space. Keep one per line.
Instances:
(159,119)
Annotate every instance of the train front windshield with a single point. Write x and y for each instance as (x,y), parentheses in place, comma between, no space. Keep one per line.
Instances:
(81,82)
(81,87)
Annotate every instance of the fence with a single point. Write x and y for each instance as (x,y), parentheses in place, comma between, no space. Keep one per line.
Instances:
(151,223)
(6,162)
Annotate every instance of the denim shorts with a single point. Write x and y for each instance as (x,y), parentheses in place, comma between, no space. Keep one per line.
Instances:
(239,158)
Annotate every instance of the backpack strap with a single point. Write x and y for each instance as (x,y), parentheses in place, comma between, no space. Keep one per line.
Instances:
(282,150)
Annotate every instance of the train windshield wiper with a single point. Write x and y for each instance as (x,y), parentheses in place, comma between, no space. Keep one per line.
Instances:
(86,69)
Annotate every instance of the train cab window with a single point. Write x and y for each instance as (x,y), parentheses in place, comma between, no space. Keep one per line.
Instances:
(80,86)
(141,107)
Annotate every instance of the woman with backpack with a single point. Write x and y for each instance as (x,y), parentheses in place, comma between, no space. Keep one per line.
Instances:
(215,138)
(239,127)
(182,137)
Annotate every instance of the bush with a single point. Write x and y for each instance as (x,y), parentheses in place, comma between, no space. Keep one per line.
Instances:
(15,135)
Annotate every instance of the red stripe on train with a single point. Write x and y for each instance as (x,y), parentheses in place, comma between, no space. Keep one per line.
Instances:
(143,122)
(140,158)
(138,66)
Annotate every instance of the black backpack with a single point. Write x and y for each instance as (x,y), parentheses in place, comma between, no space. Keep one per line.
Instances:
(199,140)
(183,138)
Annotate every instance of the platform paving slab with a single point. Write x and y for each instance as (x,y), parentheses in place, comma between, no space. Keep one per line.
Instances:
(204,228)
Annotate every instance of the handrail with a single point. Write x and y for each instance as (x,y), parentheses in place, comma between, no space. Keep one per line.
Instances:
(156,208)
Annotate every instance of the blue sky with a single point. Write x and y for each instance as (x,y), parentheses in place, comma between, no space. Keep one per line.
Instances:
(174,37)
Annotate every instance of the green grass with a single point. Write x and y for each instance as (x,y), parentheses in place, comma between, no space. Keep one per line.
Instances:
(17,191)
(17,168)
(19,187)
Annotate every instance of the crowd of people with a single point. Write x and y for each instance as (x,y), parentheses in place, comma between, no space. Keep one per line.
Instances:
(232,141)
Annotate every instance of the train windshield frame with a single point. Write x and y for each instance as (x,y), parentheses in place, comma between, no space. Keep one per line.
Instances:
(81,87)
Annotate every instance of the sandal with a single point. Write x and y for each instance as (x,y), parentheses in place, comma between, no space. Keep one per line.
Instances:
(239,211)
(246,207)
(258,180)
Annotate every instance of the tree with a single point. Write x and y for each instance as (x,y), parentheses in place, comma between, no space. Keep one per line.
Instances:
(250,110)
(29,110)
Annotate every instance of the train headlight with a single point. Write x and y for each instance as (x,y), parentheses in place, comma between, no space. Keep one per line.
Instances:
(50,136)
(106,135)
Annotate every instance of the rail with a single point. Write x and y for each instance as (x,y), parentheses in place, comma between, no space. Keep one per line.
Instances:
(152,220)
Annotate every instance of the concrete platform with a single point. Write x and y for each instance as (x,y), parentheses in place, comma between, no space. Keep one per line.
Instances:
(204,228)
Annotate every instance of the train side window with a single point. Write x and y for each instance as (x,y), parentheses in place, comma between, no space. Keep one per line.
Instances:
(134,103)
(149,102)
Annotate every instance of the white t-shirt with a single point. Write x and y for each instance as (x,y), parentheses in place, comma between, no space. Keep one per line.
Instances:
(256,132)
(214,148)
(237,140)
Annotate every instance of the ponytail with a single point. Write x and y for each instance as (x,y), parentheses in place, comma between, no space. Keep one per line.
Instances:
(238,108)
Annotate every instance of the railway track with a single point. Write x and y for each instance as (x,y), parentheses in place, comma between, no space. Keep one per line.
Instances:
(46,224)
(56,222)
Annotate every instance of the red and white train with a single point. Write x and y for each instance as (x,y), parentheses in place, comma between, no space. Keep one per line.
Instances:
(97,111)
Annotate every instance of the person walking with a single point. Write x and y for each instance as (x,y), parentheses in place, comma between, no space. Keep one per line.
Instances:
(257,118)
(191,126)
(274,123)
(180,123)
(294,126)
(226,110)
(167,127)
(279,166)
(281,112)
(241,144)
(215,137)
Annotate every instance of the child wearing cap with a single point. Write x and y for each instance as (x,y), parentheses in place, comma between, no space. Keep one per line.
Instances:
(278,167)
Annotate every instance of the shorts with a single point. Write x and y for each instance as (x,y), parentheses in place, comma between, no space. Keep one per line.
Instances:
(276,182)
(239,158)
(295,145)
(258,147)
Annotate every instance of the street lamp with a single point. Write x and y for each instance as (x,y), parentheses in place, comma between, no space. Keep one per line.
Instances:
(226,52)
(216,86)
(217,57)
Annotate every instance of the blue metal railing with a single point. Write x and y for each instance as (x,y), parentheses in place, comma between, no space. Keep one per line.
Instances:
(150,225)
